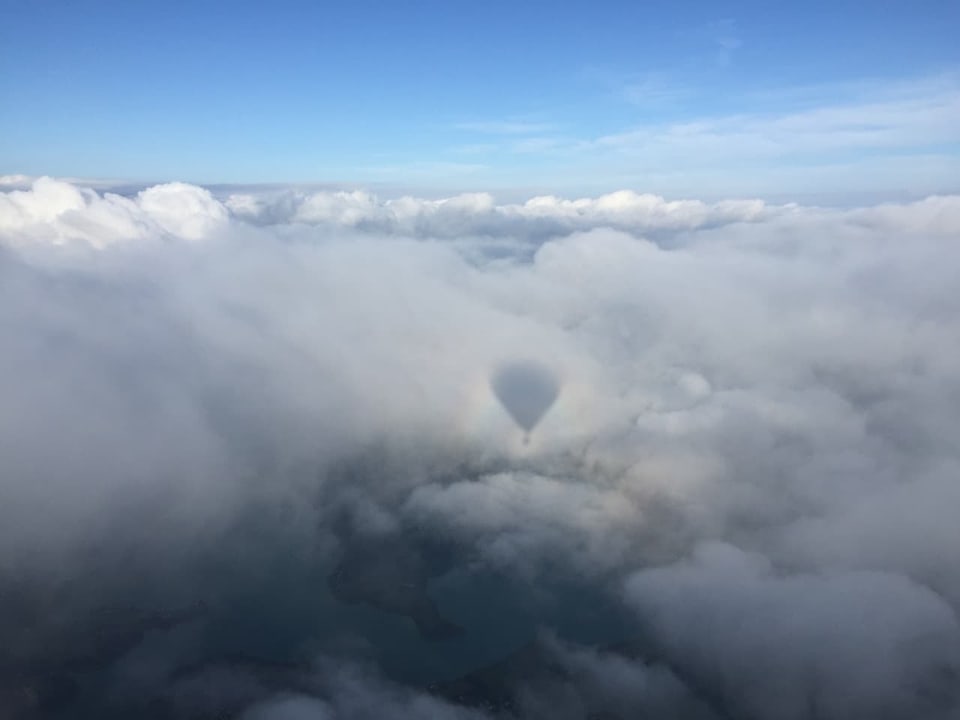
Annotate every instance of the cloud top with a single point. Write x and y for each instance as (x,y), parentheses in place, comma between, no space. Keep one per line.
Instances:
(254,461)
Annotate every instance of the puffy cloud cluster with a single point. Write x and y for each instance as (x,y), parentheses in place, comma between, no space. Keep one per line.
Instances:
(54,211)
(254,466)
(478,214)
(827,644)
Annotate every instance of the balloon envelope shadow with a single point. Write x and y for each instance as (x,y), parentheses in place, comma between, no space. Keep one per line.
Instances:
(526,390)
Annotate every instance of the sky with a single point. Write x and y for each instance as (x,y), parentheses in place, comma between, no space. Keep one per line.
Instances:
(689,98)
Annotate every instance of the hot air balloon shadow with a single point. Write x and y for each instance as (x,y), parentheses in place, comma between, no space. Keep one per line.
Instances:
(526,390)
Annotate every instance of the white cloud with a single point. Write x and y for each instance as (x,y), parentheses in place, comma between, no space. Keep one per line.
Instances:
(57,212)
(756,428)
(476,214)
(831,645)
(182,210)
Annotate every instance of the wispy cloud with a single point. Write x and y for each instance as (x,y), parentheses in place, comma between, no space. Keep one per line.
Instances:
(726,39)
(830,131)
(892,123)
(505,127)
(653,90)
(421,169)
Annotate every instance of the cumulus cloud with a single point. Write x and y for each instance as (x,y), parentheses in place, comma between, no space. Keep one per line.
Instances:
(55,211)
(781,645)
(478,214)
(254,465)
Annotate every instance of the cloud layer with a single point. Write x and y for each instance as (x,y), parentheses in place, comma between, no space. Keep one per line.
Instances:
(254,466)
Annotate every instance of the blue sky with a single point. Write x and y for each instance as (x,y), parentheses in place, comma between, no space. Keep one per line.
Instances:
(682,98)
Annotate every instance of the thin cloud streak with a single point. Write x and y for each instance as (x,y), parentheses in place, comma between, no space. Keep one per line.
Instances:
(758,149)
(505,127)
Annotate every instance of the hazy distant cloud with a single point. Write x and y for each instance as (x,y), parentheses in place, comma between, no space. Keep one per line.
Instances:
(478,214)
(56,211)
(15,182)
